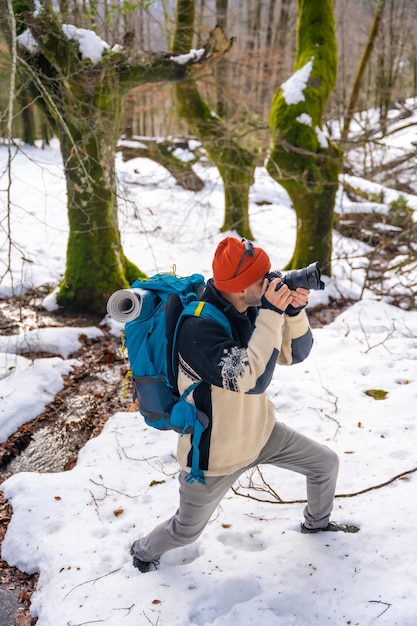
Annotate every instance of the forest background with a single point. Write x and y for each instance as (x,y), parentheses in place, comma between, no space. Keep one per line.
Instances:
(227,106)
(262,58)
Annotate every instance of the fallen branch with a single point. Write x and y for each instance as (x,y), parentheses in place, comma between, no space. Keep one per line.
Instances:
(279,500)
(387,482)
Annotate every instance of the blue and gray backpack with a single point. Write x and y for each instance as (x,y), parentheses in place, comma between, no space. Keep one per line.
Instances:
(151,342)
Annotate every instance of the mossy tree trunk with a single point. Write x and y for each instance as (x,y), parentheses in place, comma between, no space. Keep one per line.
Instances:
(95,264)
(302,159)
(84,98)
(235,164)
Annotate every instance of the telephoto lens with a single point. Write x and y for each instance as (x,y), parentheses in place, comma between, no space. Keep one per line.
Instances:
(307,277)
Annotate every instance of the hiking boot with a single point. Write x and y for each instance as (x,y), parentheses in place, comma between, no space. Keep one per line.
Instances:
(143,566)
(331,527)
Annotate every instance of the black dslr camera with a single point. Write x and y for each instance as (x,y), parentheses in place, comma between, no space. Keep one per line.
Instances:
(308,277)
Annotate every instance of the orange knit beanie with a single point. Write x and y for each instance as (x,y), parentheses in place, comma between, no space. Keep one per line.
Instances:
(238,264)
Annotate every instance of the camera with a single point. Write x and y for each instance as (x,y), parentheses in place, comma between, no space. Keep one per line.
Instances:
(308,277)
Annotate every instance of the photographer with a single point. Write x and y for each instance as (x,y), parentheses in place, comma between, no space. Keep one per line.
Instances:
(269,326)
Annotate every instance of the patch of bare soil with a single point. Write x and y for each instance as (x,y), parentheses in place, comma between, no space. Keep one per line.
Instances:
(92,392)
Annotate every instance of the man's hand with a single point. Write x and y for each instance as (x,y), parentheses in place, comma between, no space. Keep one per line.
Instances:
(299,297)
(299,301)
(279,299)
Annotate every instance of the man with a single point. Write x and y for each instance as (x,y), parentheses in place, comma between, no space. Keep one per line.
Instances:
(269,326)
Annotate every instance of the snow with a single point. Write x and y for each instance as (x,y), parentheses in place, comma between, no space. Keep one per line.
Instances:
(91,45)
(27,41)
(322,138)
(305,119)
(39,379)
(293,87)
(251,565)
(192,55)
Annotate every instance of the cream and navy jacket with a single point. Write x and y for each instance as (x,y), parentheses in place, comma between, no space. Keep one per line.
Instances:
(235,374)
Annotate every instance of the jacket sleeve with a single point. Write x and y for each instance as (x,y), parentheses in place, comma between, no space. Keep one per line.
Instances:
(207,353)
(297,339)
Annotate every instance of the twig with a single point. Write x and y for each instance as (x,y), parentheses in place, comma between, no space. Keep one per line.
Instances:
(153,624)
(387,605)
(125,608)
(111,489)
(92,580)
(94,621)
(279,501)
(96,504)
(147,460)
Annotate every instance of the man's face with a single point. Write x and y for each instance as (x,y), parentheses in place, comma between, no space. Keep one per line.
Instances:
(253,294)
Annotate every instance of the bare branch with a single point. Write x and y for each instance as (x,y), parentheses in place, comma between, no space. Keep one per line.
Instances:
(266,488)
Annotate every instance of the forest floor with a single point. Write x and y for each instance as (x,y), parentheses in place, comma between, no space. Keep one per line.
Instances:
(92,393)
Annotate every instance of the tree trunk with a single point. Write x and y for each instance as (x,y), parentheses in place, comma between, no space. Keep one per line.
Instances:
(362,66)
(96,265)
(236,165)
(28,118)
(84,96)
(302,160)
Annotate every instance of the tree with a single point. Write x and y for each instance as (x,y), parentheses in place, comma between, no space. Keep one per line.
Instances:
(235,164)
(302,159)
(379,7)
(82,89)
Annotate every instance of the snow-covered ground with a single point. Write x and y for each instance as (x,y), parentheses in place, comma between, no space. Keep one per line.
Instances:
(252,565)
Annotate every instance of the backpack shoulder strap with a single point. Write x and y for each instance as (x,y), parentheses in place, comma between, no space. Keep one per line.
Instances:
(197,308)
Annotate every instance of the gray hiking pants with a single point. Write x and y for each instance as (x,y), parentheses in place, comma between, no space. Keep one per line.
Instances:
(285,448)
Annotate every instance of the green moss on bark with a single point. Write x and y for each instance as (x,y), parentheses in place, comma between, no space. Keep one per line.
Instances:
(301,160)
(235,164)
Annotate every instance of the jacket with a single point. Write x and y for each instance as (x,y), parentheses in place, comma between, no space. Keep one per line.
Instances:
(235,375)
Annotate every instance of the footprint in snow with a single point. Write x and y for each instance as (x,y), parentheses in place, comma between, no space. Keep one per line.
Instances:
(248,542)
(220,599)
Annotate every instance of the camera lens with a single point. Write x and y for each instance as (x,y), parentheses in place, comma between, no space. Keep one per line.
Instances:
(306,277)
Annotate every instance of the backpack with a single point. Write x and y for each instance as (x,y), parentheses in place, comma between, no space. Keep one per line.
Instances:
(151,342)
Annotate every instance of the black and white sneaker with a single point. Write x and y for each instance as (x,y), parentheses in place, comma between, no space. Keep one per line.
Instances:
(143,566)
(331,527)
